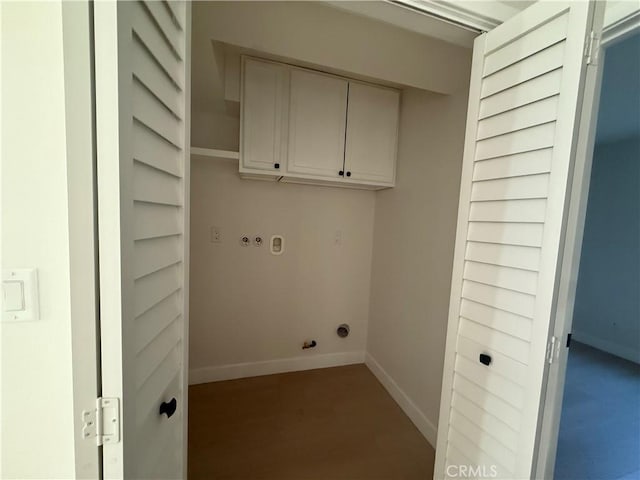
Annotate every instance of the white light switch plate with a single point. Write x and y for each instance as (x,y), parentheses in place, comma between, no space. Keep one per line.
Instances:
(20,295)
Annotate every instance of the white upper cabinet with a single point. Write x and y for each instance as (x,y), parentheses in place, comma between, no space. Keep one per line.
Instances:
(263,122)
(304,126)
(372,132)
(317,119)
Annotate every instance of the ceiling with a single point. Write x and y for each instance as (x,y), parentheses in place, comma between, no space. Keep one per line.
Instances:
(421,17)
(317,35)
(426,17)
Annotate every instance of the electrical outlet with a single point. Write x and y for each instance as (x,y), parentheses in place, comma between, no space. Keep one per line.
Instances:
(216,234)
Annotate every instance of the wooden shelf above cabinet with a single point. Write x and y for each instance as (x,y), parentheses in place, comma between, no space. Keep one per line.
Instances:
(215,153)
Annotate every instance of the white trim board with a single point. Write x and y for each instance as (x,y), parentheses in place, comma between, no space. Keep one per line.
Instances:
(215,153)
(270,367)
(422,423)
(606,346)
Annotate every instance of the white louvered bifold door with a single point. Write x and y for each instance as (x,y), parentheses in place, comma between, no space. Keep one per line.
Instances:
(524,105)
(142,125)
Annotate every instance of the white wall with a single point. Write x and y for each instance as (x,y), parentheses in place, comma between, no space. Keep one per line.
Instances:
(46,205)
(415,225)
(607,309)
(249,306)
(320,35)
(215,130)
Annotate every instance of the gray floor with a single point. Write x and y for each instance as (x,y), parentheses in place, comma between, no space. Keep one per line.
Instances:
(600,426)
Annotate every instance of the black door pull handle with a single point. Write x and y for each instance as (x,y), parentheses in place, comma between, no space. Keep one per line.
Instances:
(485,359)
(169,408)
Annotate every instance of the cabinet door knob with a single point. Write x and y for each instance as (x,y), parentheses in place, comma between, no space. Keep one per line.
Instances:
(341,173)
(348,174)
(276,165)
(168,408)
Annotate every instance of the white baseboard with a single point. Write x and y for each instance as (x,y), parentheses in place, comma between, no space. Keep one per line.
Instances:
(269,367)
(613,348)
(428,430)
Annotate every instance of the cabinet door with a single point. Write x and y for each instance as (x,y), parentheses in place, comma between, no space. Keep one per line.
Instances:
(372,132)
(263,95)
(317,117)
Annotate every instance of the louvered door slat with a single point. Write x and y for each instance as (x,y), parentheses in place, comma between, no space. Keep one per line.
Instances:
(523,234)
(504,365)
(456,457)
(496,319)
(511,188)
(152,220)
(525,93)
(156,319)
(506,435)
(155,186)
(150,148)
(488,402)
(150,73)
(515,210)
(464,442)
(490,381)
(485,443)
(538,39)
(160,384)
(157,253)
(178,13)
(527,69)
(508,300)
(535,89)
(149,110)
(151,289)
(523,281)
(527,116)
(156,351)
(495,340)
(518,141)
(163,18)
(153,38)
(517,165)
(514,256)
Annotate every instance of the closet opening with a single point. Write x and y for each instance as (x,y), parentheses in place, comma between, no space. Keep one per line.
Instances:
(326,150)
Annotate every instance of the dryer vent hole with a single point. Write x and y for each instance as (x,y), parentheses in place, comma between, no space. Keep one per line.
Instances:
(343,330)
